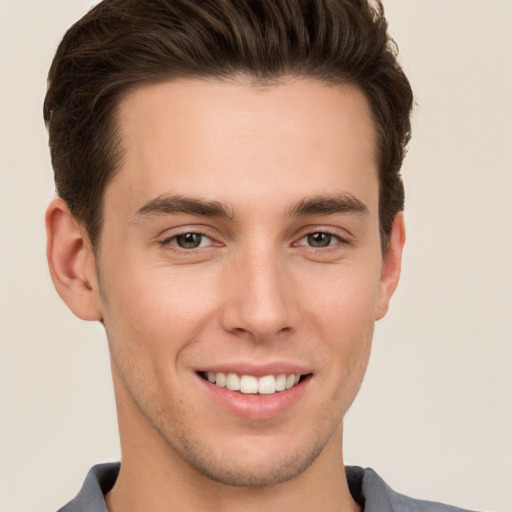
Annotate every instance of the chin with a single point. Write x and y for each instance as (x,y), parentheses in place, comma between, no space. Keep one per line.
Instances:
(246,469)
(249,460)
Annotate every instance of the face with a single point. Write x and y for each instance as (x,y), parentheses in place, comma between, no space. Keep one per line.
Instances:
(240,248)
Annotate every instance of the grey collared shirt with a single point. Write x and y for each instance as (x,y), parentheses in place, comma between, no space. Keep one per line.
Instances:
(367,488)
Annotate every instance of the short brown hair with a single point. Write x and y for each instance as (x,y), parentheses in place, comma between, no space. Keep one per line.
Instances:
(121,44)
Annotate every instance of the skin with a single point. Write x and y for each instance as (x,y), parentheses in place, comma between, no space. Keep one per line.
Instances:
(255,290)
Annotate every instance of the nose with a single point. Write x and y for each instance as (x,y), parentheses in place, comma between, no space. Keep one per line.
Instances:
(260,301)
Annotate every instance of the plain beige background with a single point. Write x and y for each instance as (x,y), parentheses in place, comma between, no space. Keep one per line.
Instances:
(434,416)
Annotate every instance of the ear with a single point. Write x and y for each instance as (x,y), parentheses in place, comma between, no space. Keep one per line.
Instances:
(72,262)
(391,265)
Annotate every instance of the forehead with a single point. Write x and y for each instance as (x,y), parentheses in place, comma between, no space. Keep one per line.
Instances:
(224,138)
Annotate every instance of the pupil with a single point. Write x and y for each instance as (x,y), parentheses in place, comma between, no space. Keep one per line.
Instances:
(189,240)
(319,239)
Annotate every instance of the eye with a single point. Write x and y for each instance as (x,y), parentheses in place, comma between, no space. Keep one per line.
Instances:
(189,240)
(319,239)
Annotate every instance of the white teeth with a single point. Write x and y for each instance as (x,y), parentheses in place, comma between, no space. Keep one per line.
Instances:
(249,384)
(220,380)
(233,381)
(281,382)
(267,385)
(290,381)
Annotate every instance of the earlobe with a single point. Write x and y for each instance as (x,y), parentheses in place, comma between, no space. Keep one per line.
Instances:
(391,265)
(71,262)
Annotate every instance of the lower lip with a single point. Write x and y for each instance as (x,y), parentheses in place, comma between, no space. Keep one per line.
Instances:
(256,407)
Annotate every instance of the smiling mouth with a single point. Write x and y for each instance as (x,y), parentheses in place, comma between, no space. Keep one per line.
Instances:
(251,385)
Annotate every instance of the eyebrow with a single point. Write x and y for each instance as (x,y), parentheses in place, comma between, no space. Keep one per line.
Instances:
(329,205)
(166,205)
(314,205)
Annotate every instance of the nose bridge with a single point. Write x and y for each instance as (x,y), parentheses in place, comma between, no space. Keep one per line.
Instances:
(260,301)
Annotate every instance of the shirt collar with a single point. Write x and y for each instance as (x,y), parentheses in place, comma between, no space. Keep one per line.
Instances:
(366,487)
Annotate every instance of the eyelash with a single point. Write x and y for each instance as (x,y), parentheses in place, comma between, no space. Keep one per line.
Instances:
(339,241)
(172,240)
(334,237)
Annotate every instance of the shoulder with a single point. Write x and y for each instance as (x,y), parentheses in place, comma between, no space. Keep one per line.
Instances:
(379,497)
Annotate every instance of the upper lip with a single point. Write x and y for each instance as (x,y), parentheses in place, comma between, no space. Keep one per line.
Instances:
(257,370)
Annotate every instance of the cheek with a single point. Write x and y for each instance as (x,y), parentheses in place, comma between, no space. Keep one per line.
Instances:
(345,298)
(342,318)
(156,310)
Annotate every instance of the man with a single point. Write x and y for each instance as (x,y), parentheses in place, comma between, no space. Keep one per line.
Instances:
(230,208)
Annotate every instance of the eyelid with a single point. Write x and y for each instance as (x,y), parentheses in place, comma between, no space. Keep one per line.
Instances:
(167,239)
(182,229)
(202,244)
(337,238)
(342,234)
